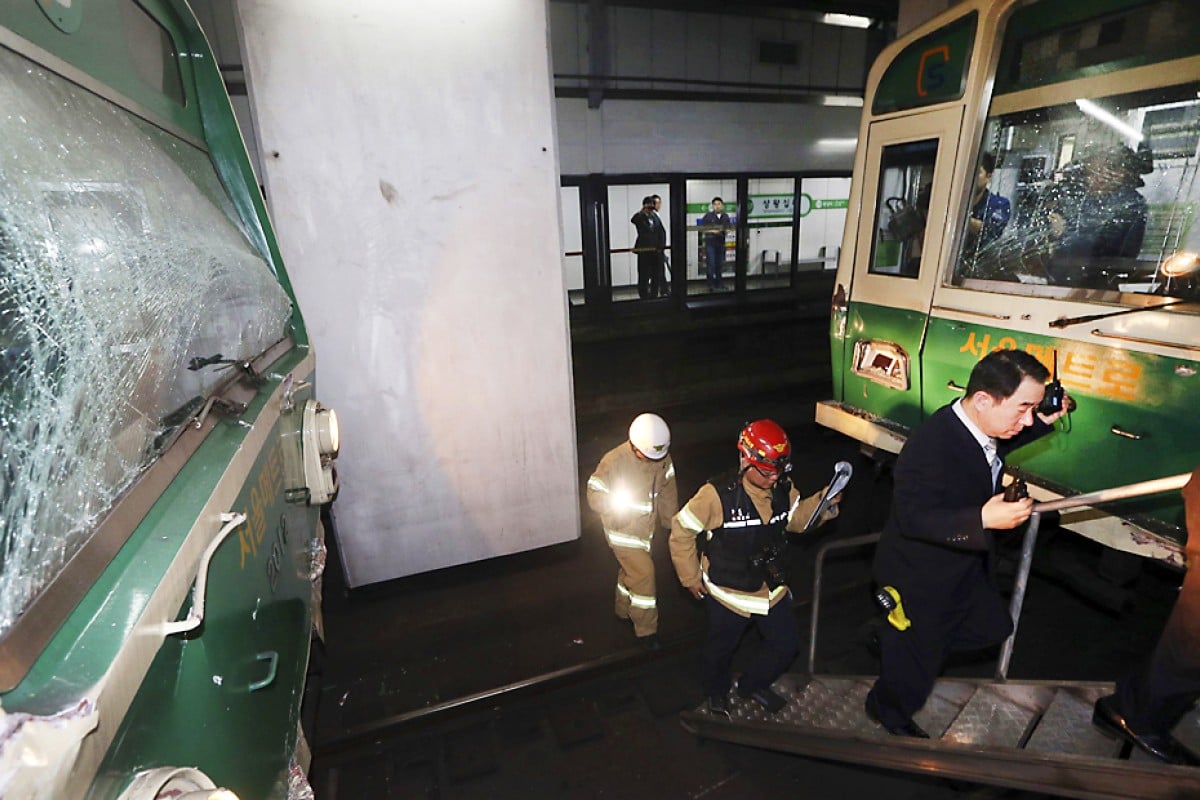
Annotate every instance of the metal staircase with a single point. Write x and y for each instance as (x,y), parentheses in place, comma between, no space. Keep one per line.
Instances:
(1032,735)
(1025,735)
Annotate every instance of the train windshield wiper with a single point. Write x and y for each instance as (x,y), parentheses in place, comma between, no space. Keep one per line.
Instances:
(1063,322)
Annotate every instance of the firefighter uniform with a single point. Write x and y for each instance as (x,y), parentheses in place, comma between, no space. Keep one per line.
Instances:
(632,495)
(737,519)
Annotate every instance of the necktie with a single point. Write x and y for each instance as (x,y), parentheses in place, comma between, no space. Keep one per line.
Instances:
(994,462)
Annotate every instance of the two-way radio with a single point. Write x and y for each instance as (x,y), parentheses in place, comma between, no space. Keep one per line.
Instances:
(1052,400)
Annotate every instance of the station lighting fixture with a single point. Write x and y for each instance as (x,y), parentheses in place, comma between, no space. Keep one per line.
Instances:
(1105,116)
(846,20)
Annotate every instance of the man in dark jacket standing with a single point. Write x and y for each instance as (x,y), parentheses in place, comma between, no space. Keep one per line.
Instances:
(714,224)
(936,550)
(651,239)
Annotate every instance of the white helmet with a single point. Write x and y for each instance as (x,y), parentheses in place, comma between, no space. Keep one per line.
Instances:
(651,436)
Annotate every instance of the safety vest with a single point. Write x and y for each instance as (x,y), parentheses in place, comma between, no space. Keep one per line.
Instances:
(743,535)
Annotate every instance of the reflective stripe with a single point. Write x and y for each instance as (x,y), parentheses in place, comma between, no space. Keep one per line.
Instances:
(745,523)
(751,604)
(618,539)
(670,472)
(598,485)
(644,508)
(637,600)
(688,521)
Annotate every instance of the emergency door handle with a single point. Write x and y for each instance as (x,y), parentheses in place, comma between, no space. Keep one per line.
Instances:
(1127,434)
(272,659)
(954,387)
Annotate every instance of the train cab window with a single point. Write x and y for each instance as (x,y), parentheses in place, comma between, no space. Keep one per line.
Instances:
(122,259)
(901,208)
(1097,195)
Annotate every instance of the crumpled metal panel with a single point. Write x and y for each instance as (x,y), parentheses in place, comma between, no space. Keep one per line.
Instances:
(999,715)
(1066,726)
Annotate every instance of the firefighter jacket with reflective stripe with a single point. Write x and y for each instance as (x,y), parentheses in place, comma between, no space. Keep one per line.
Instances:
(705,514)
(630,494)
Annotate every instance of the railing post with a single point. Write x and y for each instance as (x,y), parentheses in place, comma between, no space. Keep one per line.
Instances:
(1018,595)
(855,541)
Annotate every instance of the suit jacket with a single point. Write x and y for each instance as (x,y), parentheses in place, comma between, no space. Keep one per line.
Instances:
(934,535)
(650,230)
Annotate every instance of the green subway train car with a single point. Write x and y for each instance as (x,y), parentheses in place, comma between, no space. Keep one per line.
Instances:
(1026,177)
(163,455)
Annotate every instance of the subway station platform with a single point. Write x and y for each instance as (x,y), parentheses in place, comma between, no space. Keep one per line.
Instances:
(513,677)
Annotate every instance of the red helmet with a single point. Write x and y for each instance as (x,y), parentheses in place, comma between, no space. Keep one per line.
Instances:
(766,446)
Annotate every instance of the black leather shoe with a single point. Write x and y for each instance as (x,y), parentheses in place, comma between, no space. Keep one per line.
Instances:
(718,705)
(1162,746)
(909,728)
(766,697)
(650,643)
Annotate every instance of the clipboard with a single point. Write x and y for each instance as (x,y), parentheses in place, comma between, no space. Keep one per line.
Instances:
(841,476)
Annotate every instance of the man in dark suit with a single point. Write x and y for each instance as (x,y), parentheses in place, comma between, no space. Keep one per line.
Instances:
(651,238)
(1151,700)
(936,551)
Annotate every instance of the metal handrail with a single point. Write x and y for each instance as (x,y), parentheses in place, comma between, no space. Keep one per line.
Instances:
(1030,539)
(855,541)
(1116,493)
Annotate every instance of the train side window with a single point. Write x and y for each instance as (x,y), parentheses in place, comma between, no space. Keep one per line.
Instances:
(1098,195)
(122,261)
(901,208)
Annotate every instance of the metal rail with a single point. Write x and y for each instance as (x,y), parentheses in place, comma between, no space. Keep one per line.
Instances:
(855,541)
(1030,540)
(1116,493)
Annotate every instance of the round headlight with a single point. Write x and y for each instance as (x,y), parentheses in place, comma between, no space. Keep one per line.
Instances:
(328,436)
(1180,264)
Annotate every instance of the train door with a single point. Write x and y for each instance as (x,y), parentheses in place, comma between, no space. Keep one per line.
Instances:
(908,165)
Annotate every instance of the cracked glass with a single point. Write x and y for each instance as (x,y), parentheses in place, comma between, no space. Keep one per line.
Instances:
(1098,194)
(121,260)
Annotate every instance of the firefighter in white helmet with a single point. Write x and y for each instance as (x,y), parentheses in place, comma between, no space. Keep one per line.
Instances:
(633,491)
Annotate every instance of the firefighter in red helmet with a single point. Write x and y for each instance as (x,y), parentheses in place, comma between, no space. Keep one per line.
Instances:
(633,490)
(744,518)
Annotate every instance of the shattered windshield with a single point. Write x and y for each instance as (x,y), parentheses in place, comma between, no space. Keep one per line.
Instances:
(1098,194)
(121,259)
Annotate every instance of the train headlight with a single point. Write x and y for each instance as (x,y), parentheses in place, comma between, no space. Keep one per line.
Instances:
(328,436)
(1180,264)
(184,783)
(321,439)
